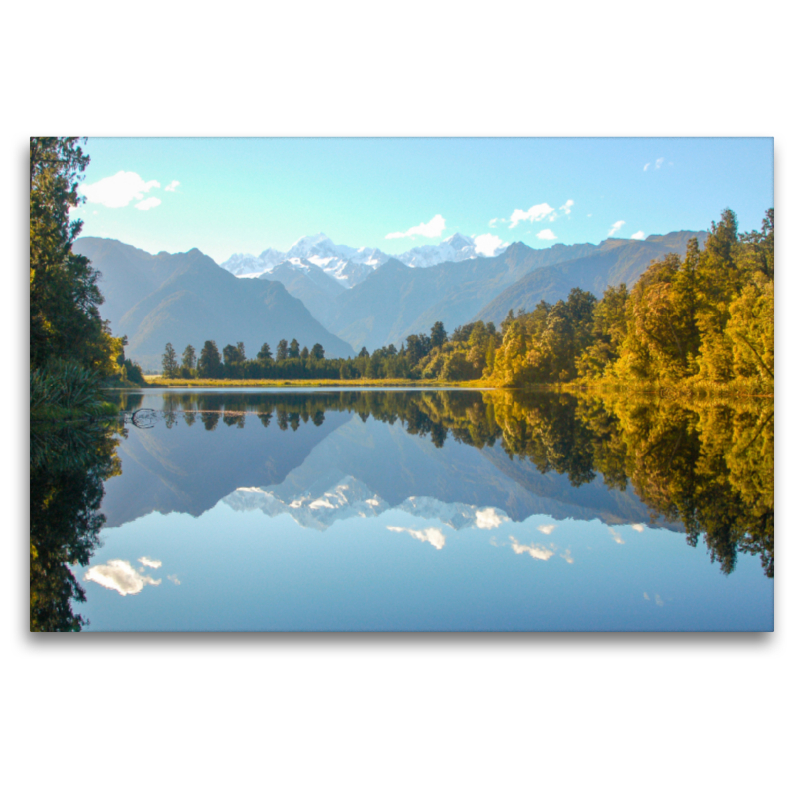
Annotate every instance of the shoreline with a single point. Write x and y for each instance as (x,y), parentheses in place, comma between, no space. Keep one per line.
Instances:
(666,391)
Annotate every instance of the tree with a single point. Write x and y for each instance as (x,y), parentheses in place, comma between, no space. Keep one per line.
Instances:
(438,334)
(304,353)
(264,354)
(210,364)
(234,360)
(169,362)
(282,352)
(294,349)
(189,358)
(318,352)
(506,323)
(64,296)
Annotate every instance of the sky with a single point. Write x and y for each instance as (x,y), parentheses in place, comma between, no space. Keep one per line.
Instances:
(229,195)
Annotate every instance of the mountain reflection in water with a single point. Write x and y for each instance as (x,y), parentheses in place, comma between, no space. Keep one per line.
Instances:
(454,459)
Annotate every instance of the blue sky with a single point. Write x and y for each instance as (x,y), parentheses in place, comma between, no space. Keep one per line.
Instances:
(228,196)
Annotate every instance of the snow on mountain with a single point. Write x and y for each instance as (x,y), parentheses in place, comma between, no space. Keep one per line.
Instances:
(456,248)
(350,265)
(349,497)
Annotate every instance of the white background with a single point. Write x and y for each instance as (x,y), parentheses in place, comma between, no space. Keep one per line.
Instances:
(397,716)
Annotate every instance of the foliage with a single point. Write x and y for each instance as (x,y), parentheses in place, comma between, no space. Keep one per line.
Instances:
(209,364)
(64,298)
(169,362)
(61,385)
(704,320)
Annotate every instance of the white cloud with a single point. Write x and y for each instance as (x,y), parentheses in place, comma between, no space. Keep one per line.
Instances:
(567,556)
(547,529)
(120,576)
(539,553)
(433,536)
(430,230)
(488,518)
(148,203)
(534,214)
(493,222)
(616,226)
(487,244)
(646,596)
(617,538)
(546,234)
(149,562)
(174,579)
(172,186)
(638,527)
(637,235)
(567,207)
(118,190)
(646,166)
(659,162)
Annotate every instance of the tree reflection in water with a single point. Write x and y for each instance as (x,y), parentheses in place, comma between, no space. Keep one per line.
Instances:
(69,464)
(706,464)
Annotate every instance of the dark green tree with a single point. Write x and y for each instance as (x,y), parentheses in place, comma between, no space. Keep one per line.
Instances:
(438,334)
(264,354)
(64,296)
(210,363)
(189,359)
(234,361)
(169,362)
(282,352)
(318,352)
(294,349)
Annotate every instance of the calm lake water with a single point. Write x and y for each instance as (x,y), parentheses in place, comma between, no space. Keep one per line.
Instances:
(254,510)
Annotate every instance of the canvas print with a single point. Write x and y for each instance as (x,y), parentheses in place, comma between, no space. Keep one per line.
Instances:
(379,384)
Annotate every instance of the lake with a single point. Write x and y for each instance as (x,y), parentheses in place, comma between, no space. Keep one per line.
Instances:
(427,510)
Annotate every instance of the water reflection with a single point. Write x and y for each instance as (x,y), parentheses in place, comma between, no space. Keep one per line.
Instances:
(455,460)
(69,464)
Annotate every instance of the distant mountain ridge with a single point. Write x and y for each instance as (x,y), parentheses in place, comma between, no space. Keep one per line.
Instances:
(612,262)
(396,300)
(186,298)
(350,265)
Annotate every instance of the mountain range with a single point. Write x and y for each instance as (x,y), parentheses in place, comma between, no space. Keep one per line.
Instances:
(397,300)
(342,297)
(351,265)
(186,298)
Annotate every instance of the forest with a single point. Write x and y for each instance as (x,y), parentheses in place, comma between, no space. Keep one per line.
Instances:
(73,354)
(704,321)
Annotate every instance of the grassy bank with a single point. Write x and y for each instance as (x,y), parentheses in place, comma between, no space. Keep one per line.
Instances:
(156,381)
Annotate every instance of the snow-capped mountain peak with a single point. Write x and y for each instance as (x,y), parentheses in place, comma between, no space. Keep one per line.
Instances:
(350,265)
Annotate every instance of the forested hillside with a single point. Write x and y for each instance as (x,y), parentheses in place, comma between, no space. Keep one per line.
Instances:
(705,318)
